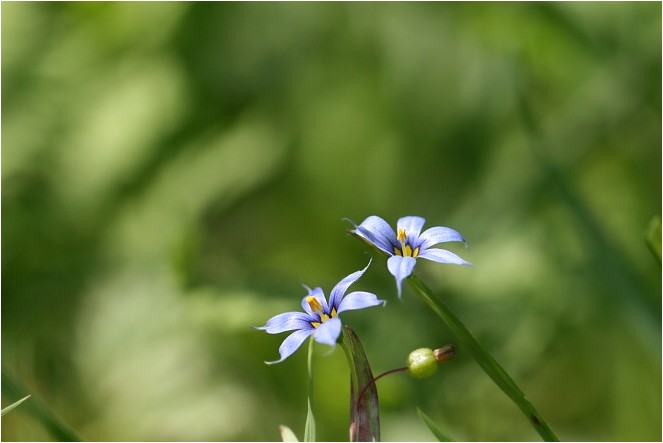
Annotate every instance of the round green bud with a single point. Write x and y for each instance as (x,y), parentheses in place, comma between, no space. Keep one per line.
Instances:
(422,363)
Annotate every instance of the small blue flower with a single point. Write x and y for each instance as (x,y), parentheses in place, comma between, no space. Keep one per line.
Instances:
(321,318)
(408,243)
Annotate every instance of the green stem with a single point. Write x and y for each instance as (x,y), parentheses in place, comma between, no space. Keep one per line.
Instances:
(485,360)
(309,428)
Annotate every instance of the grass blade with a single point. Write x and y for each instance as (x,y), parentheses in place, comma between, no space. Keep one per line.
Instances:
(13,405)
(13,388)
(434,428)
(653,237)
(286,434)
(485,360)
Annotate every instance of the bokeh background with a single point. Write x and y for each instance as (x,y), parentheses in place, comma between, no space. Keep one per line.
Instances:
(172,173)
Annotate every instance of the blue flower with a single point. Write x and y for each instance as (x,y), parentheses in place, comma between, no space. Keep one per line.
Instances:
(321,318)
(408,243)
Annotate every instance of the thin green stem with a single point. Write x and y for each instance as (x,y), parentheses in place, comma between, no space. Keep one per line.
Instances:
(485,360)
(309,428)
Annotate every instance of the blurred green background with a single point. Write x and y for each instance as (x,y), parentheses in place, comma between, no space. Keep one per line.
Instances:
(173,172)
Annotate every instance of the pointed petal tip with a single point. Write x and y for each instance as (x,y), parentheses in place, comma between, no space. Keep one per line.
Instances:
(353,230)
(463,263)
(399,289)
(349,220)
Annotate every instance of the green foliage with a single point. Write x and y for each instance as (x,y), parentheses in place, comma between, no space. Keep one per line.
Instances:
(13,388)
(309,428)
(434,427)
(13,405)
(171,172)
(364,405)
(483,358)
(653,237)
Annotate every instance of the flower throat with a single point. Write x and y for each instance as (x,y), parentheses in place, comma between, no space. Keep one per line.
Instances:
(405,250)
(317,308)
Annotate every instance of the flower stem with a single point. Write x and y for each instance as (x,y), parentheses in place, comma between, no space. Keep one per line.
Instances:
(485,360)
(372,382)
(309,427)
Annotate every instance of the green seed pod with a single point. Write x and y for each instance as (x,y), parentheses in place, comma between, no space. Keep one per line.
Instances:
(422,363)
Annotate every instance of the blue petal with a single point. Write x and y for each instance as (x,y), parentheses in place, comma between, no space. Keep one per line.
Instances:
(327,333)
(336,294)
(438,234)
(287,322)
(443,256)
(291,344)
(319,295)
(400,267)
(358,300)
(412,226)
(377,231)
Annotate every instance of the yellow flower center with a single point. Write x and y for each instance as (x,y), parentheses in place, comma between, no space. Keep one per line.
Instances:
(315,305)
(401,235)
(405,250)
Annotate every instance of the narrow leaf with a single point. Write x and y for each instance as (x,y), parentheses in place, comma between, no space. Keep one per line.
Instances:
(653,237)
(13,388)
(485,360)
(434,427)
(309,429)
(286,434)
(13,405)
(364,408)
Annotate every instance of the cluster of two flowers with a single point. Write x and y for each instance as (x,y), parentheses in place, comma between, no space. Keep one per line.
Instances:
(320,317)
